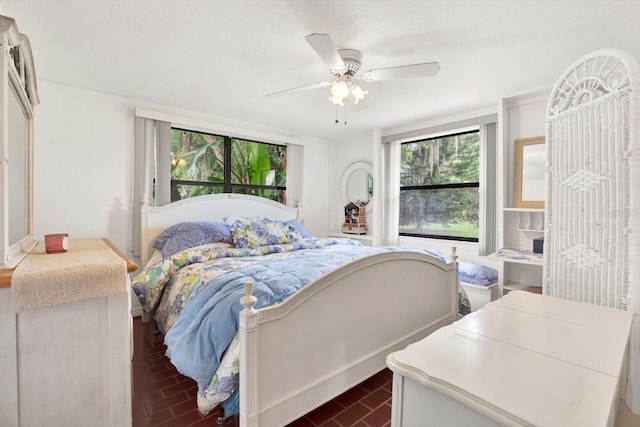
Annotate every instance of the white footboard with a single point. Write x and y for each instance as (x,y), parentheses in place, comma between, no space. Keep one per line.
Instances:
(337,331)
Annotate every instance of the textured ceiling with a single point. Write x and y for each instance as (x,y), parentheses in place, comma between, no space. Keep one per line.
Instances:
(222,57)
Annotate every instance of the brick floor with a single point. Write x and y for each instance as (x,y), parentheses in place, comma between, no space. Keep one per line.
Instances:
(163,397)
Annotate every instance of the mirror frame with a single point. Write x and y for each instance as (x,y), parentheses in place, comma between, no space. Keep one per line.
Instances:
(19,72)
(344,182)
(518,166)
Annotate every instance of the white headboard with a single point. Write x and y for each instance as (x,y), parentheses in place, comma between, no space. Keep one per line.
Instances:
(212,207)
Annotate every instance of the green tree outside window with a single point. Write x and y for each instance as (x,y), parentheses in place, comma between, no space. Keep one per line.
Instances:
(205,164)
(439,182)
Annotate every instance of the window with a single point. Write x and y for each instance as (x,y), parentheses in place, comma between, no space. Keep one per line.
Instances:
(439,181)
(202,163)
(175,161)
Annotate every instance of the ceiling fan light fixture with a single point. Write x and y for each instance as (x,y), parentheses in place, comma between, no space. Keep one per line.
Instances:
(358,93)
(340,90)
(336,101)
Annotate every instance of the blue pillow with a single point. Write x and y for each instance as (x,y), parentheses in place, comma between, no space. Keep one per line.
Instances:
(186,235)
(477,274)
(301,229)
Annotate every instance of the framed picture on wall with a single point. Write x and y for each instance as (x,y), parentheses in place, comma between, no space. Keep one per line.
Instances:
(529,173)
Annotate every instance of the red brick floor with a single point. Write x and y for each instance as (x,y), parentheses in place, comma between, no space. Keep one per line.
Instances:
(163,397)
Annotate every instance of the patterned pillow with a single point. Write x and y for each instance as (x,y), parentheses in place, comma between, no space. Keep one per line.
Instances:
(295,226)
(259,231)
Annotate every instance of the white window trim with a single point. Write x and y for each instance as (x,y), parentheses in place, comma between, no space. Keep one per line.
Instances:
(199,125)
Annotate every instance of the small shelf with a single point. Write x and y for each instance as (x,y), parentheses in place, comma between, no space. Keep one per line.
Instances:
(518,255)
(530,220)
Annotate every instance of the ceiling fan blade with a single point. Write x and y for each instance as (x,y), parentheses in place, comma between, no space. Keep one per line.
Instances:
(298,89)
(427,69)
(326,50)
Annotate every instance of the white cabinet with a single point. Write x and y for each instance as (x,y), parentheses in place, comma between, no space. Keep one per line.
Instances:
(520,116)
(8,361)
(70,363)
(523,360)
(74,364)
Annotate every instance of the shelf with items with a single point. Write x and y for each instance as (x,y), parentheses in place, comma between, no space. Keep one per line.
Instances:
(528,219)
(521,117)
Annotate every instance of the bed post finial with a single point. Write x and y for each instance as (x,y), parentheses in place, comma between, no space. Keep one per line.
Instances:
(453,257)
(248,300)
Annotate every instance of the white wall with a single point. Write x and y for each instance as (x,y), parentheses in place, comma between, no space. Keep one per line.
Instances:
(83,166)
(316,188)
(344,153)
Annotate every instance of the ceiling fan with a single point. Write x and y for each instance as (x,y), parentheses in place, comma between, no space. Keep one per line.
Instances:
(344,66)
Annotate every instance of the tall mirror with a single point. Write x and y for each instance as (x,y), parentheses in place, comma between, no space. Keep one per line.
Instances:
(19,97)
(19,171)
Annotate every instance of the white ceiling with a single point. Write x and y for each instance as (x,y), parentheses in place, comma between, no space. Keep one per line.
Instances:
(221,57)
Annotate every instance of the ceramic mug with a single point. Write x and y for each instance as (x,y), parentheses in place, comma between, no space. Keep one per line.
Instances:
(56,243)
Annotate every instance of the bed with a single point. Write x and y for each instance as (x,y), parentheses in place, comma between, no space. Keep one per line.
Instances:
(301,347)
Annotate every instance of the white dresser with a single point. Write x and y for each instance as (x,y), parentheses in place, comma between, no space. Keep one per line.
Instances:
(67,364)
(523,360)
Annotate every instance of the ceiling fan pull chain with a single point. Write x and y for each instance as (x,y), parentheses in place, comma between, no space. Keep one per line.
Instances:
(345,115)
(337,121)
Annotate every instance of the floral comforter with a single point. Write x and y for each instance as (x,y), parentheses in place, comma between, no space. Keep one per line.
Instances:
(194,298)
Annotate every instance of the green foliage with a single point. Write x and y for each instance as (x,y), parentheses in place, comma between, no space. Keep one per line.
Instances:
(199,158)
(445,160)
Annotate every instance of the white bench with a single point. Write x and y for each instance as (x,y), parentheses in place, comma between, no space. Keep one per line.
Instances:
(523,360)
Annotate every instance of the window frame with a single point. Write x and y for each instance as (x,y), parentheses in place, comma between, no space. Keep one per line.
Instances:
(441,187)
(227,185)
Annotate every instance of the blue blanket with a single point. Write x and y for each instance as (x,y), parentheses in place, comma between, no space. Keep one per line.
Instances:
(207,324)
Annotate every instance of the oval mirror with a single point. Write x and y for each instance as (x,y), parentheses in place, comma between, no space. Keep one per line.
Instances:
(356,184)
